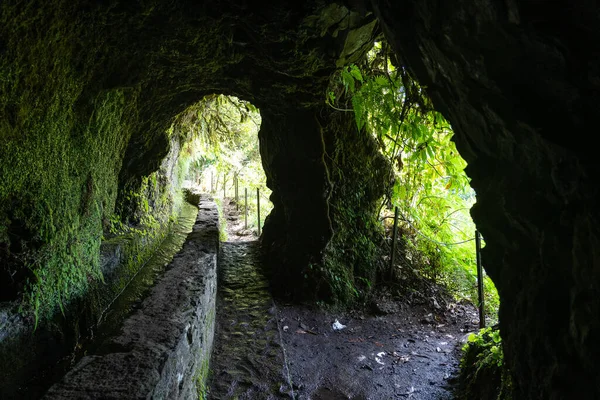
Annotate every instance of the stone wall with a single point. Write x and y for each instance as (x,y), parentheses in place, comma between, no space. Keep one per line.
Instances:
(164,346)
(32,344)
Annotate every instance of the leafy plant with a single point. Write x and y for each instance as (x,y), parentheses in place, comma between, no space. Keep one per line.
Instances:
(488,342)
(430,189)
(484,374)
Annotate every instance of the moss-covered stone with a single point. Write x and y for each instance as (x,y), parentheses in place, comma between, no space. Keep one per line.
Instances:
(331,195)
(359,176)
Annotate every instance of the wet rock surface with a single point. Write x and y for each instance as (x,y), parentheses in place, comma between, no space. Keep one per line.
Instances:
(248,360)
(519,89)
(163,345)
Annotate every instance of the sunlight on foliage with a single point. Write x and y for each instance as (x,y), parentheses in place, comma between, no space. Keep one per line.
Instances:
(431,189)
(225,150)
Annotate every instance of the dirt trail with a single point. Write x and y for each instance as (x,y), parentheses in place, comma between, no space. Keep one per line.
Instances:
(267,350)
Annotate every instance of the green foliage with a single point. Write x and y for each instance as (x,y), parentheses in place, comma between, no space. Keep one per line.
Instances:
(430,187)
(226,147)
(222,220)
(484,374)
(489,346)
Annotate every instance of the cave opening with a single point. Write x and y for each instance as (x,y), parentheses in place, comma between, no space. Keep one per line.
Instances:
(87,91)
(223,158)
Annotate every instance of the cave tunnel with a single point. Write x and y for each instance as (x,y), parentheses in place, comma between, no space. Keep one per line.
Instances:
(88,90)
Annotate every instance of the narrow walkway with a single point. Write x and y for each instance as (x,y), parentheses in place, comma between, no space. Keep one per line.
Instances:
(247,361)
(404,349)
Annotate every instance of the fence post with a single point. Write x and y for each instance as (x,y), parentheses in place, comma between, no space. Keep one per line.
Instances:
(237,207)
(224,184)
(394,239)
(480,281)
(212,186)
(258,208)
(245,208)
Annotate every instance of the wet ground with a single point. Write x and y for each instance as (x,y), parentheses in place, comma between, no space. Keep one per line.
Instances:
(400,355)
(248,361)
(267,350)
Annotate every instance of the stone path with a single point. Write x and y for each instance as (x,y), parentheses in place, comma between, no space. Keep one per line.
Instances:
(248,360)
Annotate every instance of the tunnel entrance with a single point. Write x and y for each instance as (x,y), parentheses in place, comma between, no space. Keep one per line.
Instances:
(393,143)
(87,91)
(225,159)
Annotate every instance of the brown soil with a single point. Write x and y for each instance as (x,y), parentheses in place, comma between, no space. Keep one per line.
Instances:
(411,353)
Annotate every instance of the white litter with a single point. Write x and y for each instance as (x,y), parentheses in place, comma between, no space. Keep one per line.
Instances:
(337,326)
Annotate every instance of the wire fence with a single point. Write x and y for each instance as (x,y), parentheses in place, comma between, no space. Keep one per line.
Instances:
(234,185)
(231,186)
(476,238)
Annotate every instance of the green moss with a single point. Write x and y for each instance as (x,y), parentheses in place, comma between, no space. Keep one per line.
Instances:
(60,188)
(60,160)
(201,380)
(62,153)
(357,174)
(222,220)
(204,370)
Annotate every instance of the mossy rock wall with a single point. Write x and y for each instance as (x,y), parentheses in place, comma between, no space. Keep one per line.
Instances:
(292,151)
(88,91)
(56,190)
(521,90)
(30,345)
(327,179)
(359,176)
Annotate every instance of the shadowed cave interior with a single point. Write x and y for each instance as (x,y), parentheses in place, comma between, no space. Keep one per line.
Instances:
(88,92)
